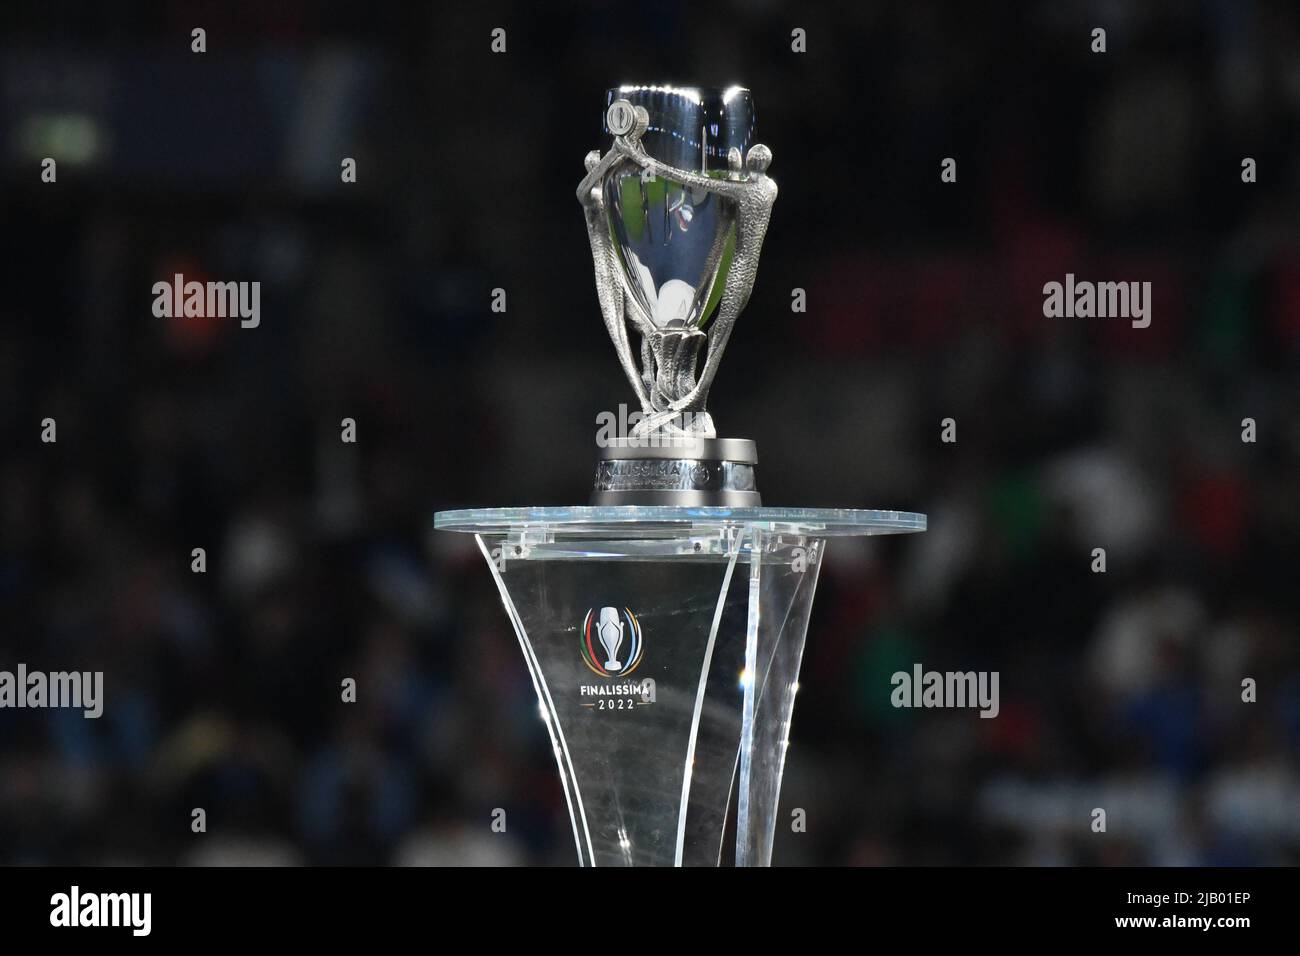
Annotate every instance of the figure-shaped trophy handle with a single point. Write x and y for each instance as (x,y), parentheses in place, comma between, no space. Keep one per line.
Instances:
(609,289)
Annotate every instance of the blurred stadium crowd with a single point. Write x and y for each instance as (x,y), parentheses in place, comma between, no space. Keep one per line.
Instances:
(1120,690)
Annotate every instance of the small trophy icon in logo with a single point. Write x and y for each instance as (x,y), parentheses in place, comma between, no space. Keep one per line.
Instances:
(615,631)
(609,631)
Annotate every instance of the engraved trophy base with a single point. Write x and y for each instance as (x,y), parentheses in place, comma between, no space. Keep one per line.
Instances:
(678,470)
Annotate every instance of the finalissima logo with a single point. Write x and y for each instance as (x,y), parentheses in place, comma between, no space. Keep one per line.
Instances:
(611,641)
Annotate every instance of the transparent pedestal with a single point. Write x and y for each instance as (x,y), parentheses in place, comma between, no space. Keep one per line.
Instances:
(664,644)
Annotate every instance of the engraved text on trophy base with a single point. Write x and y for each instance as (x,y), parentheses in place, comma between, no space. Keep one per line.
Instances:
(673,474)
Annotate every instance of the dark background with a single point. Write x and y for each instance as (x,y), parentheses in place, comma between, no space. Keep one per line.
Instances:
(1119,690)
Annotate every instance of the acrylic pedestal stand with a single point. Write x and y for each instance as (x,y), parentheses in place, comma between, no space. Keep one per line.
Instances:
(664,645)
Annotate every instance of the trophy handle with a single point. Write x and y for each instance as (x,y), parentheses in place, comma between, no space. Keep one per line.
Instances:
(609,290)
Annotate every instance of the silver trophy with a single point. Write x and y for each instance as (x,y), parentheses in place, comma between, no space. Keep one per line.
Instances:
(676,213)
(669,707)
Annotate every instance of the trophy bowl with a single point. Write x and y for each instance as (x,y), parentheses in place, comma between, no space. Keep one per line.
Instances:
(675,242)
